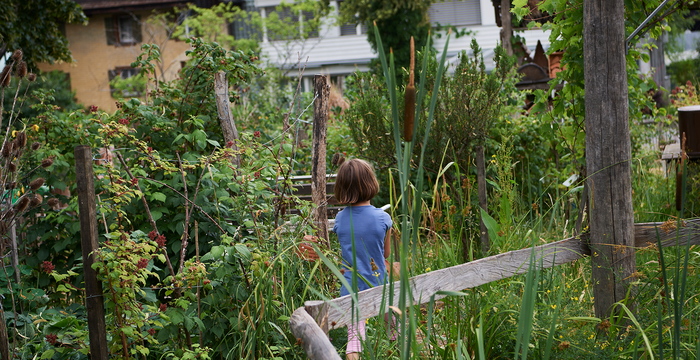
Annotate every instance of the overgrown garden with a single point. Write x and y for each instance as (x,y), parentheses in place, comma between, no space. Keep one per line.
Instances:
(199,236)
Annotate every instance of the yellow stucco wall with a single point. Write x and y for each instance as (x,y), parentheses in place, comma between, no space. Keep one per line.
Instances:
(94,58)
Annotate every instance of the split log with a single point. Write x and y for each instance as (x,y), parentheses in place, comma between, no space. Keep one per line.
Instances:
(314,341)
(223,106)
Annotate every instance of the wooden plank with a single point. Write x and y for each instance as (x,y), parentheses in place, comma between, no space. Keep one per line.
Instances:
(314,341)
(87,212)
(305,189)
(463,276)
(318,155)
(493,268)
(645,233)
(671,152)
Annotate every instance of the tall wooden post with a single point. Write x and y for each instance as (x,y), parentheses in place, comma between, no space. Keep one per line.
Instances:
(322,92)
(483,198)
(608,152)
(506,27)
(87,211)
(223,106)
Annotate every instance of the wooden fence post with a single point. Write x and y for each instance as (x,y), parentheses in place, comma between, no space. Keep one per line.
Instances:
(483,199)
(223,106)
(314,341)
(87,212)
(322,91)
(608,153)
(506,27)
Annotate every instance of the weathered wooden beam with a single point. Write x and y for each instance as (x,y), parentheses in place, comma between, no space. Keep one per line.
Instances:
(314,341)
(489,269)
(87,212)
(318,155)
(458,277)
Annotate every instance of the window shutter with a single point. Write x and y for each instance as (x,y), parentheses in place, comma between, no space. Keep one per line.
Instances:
(109,31)
(136,28)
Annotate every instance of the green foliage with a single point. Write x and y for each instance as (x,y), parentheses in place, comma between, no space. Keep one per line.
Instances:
(54,81)
(209,24)
(35,27)
(683,71)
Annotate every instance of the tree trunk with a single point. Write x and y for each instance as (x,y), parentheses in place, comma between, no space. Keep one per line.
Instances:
(318,155)
(608,153)
(507,27)
(223,106)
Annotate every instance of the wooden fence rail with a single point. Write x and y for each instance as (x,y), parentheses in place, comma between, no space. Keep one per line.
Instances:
(336,313)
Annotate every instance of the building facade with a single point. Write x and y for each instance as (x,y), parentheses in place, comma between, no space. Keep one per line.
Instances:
(106,48)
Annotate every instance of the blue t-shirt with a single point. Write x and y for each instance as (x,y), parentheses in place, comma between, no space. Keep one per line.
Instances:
(369,225)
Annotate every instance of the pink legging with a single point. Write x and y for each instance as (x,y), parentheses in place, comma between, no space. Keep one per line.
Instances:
(356,335)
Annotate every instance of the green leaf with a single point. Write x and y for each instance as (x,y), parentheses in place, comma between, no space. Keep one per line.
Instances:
(243,251)
(214,142)
(159,197)
(156,214)
(490,224)
(48,354)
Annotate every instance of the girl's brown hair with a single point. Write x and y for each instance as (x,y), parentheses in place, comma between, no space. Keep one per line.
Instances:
(355,182)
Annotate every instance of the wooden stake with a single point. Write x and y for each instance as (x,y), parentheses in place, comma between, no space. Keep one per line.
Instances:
(483,198)
(314,341)
(322,92)
(507,27)
(87,212)
(223,105)
(608,154)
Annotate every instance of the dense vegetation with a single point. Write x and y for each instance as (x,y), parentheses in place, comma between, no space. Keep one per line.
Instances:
(199,258)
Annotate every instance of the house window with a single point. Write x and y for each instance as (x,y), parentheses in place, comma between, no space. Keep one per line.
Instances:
(285,18)
(456,13)
(123,30)
(124,82)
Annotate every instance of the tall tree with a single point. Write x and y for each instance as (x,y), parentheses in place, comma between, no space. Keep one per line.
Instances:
(608,152)
(397,21)
(35,27)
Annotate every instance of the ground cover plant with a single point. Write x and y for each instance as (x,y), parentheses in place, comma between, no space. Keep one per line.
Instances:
(199,258)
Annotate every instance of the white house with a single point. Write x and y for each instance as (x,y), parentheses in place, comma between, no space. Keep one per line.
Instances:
(340,50)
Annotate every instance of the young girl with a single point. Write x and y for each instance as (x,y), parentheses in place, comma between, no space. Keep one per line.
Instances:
(370,227)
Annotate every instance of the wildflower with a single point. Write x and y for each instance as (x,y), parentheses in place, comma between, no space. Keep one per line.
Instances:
(688,83)
(17,55)
(21,69)
(149,149)
(6,76)
(51,339)
(427,269)
(152,235)
(554,306)
(14,133)
(151,331)
(163,307)
(93,108)
(36,184)
(376,274)
(160,240)
(47,267)
(36,128)
(229,144)
(124,121)
(142,263)
(256,134)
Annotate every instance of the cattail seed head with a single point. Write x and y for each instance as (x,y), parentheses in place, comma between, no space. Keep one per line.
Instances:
(335,159)
(36,145)
(21,140)
(31,77)
(17,55)
(6,76)
(12,167)
(22,69)
(46,163)
(6,149)
(36,184)
(22,204)
(36,200)
(53,202)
